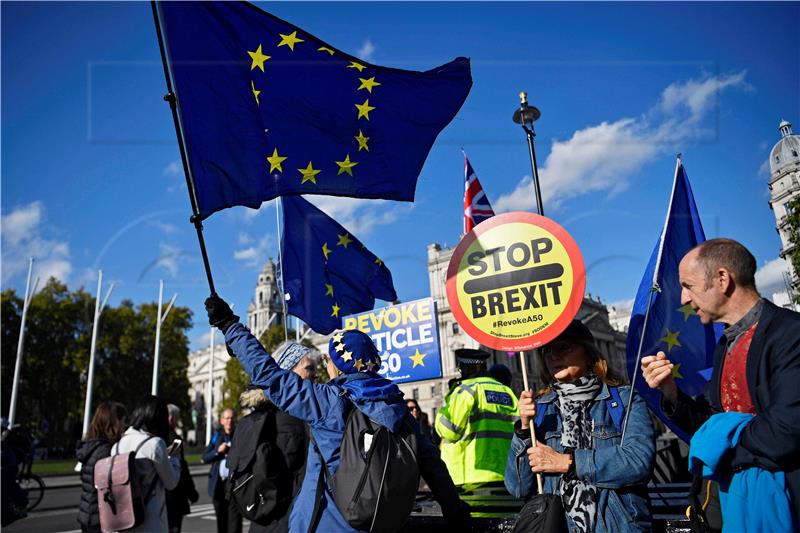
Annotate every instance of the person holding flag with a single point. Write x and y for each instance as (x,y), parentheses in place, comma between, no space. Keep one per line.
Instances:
(756,372)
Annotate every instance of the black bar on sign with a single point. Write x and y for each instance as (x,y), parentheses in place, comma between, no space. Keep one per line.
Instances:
(518,277)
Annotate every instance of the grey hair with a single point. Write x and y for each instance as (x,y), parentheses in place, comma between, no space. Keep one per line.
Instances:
(174,411)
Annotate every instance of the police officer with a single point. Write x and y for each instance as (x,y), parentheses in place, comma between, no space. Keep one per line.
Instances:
(476,423)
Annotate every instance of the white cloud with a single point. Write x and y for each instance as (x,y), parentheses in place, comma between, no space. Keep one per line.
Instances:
(605,156)
(622,307)
(769,278)
(173,168)
(366,51)
(360,216)
(204,340)
(255,255)
(25,234)
(164,227)
(244,238)
(168,258)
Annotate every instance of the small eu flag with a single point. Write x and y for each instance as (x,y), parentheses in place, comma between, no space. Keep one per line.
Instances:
(670,325)
(327,272)
(267,109)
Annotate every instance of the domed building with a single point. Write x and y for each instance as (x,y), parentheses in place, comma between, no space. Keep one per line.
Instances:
(784,186)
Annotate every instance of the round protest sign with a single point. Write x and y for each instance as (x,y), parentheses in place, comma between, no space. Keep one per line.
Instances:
(516,281)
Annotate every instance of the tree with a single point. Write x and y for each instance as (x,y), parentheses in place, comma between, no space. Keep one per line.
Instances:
(793,221)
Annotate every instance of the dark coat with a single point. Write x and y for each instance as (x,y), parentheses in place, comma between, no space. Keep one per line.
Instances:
(178,499)
(88,454)
(772,440)
(211,456)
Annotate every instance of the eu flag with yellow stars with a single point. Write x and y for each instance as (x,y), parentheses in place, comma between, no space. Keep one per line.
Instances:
(672,326)
(267,109)
(327,272)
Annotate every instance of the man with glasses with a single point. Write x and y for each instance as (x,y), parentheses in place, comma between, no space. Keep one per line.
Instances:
(229,519)
(476,423)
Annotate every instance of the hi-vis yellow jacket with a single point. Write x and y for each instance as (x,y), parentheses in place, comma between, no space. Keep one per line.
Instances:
(476,425)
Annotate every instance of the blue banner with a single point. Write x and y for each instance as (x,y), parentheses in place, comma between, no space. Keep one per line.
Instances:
(407,338)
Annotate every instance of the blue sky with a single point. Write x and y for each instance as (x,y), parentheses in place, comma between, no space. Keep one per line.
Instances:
(91,179)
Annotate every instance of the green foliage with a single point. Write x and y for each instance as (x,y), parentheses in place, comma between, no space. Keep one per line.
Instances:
(793,221)
(56,357)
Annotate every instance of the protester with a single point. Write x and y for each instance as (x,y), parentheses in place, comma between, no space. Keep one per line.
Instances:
(179,498)
(287,435)
(602,482)
(420,417)
(108,424)
(354,382)
(229,519)
(477,418)
(149,427)
(756,365)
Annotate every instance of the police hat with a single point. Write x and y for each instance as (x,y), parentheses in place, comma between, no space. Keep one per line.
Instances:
(471,356)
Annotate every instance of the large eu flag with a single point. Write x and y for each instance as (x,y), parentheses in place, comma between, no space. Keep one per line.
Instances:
(671,326)
(327,272)
(268,110)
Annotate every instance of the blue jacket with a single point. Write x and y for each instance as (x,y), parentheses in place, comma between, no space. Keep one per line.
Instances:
(619,472)
(753,499)
(210,455)
(325,408)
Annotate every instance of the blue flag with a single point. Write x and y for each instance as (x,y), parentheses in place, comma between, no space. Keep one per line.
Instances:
(327,273)
(268,110)
(671,326)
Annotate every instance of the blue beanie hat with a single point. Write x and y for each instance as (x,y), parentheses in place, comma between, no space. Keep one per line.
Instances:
(353,351)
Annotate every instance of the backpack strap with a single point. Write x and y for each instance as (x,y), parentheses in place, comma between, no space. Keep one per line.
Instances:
(149,492)
(615,407)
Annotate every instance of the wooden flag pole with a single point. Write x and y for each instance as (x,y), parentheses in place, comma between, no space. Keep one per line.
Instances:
(173,105)
(524,363)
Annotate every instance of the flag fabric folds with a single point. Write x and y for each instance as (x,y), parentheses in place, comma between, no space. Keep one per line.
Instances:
(327,272)
(476,205)
(672,326)
(268,109)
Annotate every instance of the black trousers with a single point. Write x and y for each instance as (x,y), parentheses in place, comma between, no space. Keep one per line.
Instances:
(229,519)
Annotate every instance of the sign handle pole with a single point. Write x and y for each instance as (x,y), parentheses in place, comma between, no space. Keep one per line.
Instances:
(524,363)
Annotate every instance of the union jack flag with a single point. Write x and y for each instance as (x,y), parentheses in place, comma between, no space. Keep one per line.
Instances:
(476,205)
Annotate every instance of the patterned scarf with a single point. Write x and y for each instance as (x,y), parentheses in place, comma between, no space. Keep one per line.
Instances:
(573,401)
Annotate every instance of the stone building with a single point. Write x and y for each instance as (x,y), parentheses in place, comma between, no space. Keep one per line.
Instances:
(784,186)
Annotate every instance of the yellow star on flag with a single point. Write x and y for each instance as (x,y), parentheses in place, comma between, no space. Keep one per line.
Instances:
(417,358)
(325,49)
(675,372)
(344,240)
(275,161)
(378,261)
(325,250)
(367,84)
(362,141)
(309,174)
(346,165)
(290,40)
(671,339)
(335,310)
(258,59)
(337,337)
(255,92)
(347,356)
(687,311)
(329,292)
(355,65)
(364,109)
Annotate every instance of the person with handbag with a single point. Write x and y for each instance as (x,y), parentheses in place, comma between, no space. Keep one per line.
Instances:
(578,417)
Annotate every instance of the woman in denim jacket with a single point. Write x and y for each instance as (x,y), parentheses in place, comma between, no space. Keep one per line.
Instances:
(602,484)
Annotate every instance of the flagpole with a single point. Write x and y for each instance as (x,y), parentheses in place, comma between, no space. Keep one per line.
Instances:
(654,288)
(12,413)
(280,262)
(209,409)
(159,321)
(171,98)
(98,309)
(531,424)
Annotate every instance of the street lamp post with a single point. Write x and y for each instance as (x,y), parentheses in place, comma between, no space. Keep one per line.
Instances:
(525,116)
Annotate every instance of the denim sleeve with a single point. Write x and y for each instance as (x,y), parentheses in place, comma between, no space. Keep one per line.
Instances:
(518,477)
(300,398)
(619,466)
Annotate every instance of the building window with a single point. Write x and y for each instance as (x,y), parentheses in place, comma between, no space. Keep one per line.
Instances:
(789,209)
(433,391)
(415,393)
(456,329)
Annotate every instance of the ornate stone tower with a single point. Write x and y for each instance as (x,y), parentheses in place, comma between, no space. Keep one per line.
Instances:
(784,186)
(266,309)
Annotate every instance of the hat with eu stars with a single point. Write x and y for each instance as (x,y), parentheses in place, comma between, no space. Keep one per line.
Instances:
(353,351)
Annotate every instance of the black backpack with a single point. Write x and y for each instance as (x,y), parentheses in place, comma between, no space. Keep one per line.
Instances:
(258,483)
(376,483)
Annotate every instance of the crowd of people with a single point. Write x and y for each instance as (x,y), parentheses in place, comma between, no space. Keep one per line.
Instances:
(284,464)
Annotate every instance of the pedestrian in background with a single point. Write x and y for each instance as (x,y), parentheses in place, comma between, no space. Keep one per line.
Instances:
(229,519)
(602,483)
(157,465)
(108,424)
(180,497)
